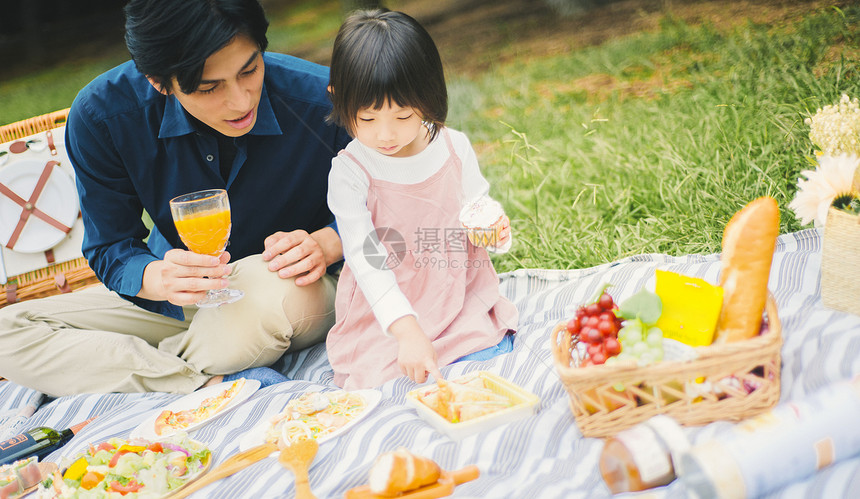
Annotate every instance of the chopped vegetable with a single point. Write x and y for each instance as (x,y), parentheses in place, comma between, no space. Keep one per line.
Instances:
(134,468)
(76,470)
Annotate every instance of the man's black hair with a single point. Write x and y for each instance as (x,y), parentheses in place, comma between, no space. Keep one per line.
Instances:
(173,38)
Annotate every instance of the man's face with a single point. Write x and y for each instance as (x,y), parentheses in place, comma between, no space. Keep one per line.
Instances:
(229,91)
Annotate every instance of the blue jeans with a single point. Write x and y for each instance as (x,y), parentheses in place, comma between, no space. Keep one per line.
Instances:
(504,346)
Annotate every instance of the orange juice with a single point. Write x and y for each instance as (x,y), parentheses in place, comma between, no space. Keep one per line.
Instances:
(206,233)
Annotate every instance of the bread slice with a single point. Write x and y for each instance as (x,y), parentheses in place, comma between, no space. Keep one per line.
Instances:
(400,471)
(749,240)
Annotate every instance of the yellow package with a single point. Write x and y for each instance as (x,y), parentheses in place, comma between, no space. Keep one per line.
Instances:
(691,307)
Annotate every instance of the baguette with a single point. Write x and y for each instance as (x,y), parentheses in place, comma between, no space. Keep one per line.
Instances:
(749,241)
(400,471)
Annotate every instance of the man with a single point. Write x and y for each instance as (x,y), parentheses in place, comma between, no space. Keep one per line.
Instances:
(201,106)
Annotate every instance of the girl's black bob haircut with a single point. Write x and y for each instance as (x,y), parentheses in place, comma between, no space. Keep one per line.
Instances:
(381,56)
(170,38)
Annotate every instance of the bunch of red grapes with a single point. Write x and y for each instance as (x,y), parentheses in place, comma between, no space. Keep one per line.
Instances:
(597,326)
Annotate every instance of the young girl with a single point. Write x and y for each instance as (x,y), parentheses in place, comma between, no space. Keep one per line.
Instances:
(414,293)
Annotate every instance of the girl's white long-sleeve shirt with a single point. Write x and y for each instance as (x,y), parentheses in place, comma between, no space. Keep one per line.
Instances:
(347,199)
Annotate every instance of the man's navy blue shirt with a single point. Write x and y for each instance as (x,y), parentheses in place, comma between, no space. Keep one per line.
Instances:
(133,149)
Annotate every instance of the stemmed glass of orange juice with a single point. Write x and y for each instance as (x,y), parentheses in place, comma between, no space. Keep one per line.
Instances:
(202,220)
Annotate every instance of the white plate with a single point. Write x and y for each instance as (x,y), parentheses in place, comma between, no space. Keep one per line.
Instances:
(146,429)
(58,200)
(257,435)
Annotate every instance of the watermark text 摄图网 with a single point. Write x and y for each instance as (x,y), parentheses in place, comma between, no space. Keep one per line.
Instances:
(385,248)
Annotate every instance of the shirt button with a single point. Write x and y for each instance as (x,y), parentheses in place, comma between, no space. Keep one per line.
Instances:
(209,157)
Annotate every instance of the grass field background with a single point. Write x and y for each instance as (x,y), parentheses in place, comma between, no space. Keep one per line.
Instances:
(647,142)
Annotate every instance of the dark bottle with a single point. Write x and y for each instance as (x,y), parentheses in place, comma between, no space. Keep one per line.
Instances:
(38,442)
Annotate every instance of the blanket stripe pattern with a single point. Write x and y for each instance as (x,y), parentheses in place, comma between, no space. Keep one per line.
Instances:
(544,456)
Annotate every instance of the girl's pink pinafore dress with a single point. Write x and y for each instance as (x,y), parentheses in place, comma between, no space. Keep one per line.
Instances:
(450,283)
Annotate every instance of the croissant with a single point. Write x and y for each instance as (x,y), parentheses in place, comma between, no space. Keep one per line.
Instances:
(400,471)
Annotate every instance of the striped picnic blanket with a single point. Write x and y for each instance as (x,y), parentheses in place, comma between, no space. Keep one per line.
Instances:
(543,456)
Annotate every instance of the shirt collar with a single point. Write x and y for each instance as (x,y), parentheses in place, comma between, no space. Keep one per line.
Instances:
(176,121)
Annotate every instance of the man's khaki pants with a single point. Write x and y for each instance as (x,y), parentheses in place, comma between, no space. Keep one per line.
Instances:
(93,340)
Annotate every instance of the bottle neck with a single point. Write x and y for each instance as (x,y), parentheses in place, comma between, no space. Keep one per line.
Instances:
(64,434)
(76,428)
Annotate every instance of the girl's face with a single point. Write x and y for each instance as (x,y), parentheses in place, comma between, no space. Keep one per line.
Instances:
(391,130)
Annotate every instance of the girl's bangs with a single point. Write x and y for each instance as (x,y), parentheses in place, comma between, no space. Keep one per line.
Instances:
(374,89)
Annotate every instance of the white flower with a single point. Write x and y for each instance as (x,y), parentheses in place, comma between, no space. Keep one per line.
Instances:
(821,186)
(835,129)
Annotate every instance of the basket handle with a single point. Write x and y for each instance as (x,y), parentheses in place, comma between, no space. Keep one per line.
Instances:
(561,346)
(774,324)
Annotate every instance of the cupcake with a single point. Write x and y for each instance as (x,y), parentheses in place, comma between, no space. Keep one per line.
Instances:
(482,219)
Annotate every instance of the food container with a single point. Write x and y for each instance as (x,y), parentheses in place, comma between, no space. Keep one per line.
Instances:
(643,456)
(524,404)
(730,381)
(840,262)
(788,443)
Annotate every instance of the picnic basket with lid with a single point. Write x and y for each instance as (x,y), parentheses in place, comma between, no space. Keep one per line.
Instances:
(729,381)
(41,255)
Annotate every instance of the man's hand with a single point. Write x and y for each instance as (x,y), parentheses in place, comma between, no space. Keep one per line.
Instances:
(415,354)
(183,277)
(303,255)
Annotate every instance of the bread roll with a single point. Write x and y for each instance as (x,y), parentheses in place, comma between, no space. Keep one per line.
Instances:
(401,471)
(749,240)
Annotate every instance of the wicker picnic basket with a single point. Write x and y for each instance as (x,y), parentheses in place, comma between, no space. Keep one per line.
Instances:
(54,278)
(730,381)
(840,262)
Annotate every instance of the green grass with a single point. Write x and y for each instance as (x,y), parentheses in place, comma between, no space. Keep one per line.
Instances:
(647,143)
(306,23)
(50,90)
(685,126)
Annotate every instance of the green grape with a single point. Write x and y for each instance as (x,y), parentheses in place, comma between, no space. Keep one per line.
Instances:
(633,327)
(630,333)
(646,358)
(625,355)
(655,338)
(640,342)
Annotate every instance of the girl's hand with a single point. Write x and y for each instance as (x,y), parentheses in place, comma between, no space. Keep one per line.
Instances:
(183,277)
(415,354)
(505,232)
